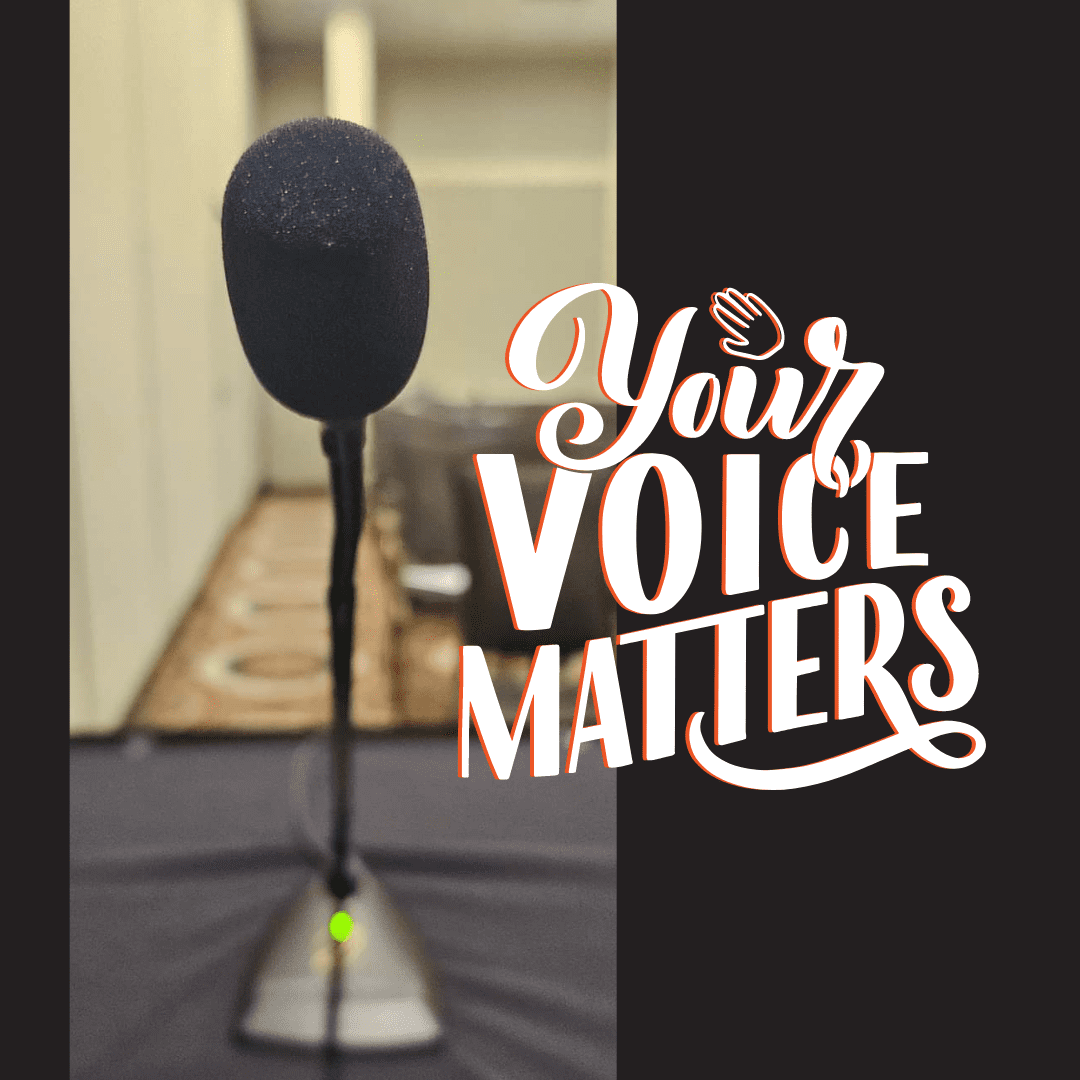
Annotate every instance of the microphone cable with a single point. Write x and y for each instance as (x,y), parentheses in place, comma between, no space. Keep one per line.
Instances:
(306,832)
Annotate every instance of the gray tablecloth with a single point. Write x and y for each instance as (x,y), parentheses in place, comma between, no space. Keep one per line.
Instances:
(182,853)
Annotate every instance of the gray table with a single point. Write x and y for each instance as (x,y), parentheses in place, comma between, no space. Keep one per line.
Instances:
(182,852)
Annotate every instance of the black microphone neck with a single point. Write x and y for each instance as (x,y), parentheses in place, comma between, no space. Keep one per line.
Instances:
(343,444)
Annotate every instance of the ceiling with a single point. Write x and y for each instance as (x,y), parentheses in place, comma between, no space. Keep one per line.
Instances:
(449,25)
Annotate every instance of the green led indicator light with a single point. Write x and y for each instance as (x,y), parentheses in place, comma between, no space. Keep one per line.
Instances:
(341,926)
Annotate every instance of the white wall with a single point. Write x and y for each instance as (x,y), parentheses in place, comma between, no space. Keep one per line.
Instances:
(164,446)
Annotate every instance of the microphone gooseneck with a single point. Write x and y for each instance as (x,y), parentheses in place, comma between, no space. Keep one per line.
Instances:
(326,266)
(343,444)
(327,272)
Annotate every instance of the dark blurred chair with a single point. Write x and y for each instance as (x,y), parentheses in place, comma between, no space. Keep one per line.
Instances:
(424,469)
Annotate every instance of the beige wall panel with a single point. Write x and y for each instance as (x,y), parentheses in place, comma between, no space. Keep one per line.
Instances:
(162,425)
(179,227)
(114,570)
(494,252)
(290,84)
(537,108)
(237,394)
(290,88)
(81,692)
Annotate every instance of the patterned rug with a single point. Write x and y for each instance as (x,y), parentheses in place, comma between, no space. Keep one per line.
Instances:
(252,653)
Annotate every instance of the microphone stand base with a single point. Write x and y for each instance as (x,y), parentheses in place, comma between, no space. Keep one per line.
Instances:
(372,992)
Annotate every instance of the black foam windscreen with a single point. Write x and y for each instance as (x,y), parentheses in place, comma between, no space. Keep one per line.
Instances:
(326,267)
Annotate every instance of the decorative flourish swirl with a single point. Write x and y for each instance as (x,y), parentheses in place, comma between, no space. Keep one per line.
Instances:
(914,737)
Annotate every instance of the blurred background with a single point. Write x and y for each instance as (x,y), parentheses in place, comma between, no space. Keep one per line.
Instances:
(200,520)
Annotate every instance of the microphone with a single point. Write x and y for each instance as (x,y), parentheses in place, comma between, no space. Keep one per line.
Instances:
(326,267)
(327,272)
